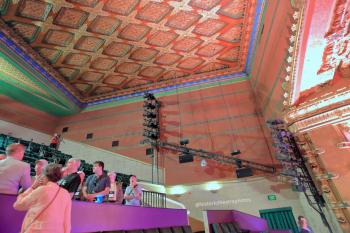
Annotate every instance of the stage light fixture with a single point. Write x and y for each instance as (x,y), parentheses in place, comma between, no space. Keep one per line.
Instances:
(235,152)
(184,141)
(149,96)
(185,158)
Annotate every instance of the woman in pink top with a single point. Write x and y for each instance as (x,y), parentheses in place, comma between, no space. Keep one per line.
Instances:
(48,206)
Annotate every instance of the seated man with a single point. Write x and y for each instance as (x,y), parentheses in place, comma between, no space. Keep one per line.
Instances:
(98,184)
(116,191)
(133,193)
(13,172)
(303,225)
(39,167)
(71,180)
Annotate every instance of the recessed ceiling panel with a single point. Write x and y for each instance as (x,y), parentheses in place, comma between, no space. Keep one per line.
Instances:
(102,47)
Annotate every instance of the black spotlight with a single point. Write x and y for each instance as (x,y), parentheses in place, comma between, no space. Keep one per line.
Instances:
(235,152)
(185,158)
(184,142)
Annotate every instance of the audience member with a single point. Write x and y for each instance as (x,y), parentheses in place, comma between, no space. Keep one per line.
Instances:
(55,141)
(13,172)
(98,184)
(48,206)
(116,190)
(39,168)
(303,225)
(72,180)
(133,193)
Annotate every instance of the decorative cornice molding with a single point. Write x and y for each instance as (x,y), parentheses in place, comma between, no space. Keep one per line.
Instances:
(334,116)
(29,55)
(289,77)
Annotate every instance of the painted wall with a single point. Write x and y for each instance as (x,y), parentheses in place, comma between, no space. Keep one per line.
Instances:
(20,114)
(268,68)
(217,119)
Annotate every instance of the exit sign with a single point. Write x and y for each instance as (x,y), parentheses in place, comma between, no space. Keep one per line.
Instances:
(271,197)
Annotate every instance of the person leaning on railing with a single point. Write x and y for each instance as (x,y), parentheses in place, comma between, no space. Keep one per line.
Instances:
(133,193)
(97,185)
(48,206)
(14,173)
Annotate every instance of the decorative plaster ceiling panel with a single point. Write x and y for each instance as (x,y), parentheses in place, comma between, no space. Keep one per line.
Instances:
(103,48)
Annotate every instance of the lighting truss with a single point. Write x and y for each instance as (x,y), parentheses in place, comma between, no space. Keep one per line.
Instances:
(216,157)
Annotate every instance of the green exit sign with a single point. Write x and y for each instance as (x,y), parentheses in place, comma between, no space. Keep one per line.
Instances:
(271,197)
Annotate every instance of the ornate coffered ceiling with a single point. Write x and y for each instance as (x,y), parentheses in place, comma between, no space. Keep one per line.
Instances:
(108,48)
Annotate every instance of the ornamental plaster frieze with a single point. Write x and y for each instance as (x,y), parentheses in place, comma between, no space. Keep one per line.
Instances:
(335,116)
(332,106)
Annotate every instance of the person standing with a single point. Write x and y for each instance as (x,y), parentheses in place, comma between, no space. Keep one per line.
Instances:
(55,141)
(14,173)
(48,206)
(303,225)
(72,180)
(98,184)
(133,193)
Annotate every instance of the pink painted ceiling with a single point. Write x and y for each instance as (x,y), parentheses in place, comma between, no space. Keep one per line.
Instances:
(112,47)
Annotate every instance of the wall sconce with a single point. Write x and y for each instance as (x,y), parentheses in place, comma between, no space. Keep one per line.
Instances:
(213,186)
(177,190)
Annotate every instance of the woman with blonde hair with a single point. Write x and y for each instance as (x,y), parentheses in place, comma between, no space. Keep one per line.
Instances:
(48,206)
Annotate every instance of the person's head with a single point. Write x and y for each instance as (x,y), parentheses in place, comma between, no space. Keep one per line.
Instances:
(82,176)
(112,175)
(98,167)
(302,221)
(53,172)
(72,165)
(39,166)
(133,180)
(15,150)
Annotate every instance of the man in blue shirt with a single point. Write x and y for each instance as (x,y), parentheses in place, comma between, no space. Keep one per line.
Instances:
(303,226)
(98,184)
(133,193)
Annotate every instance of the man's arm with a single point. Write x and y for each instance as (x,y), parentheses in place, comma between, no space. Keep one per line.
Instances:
(138,193)
(84,189)
(102,193)
(26,181)
(105,192)
(27,199)
(127,194)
